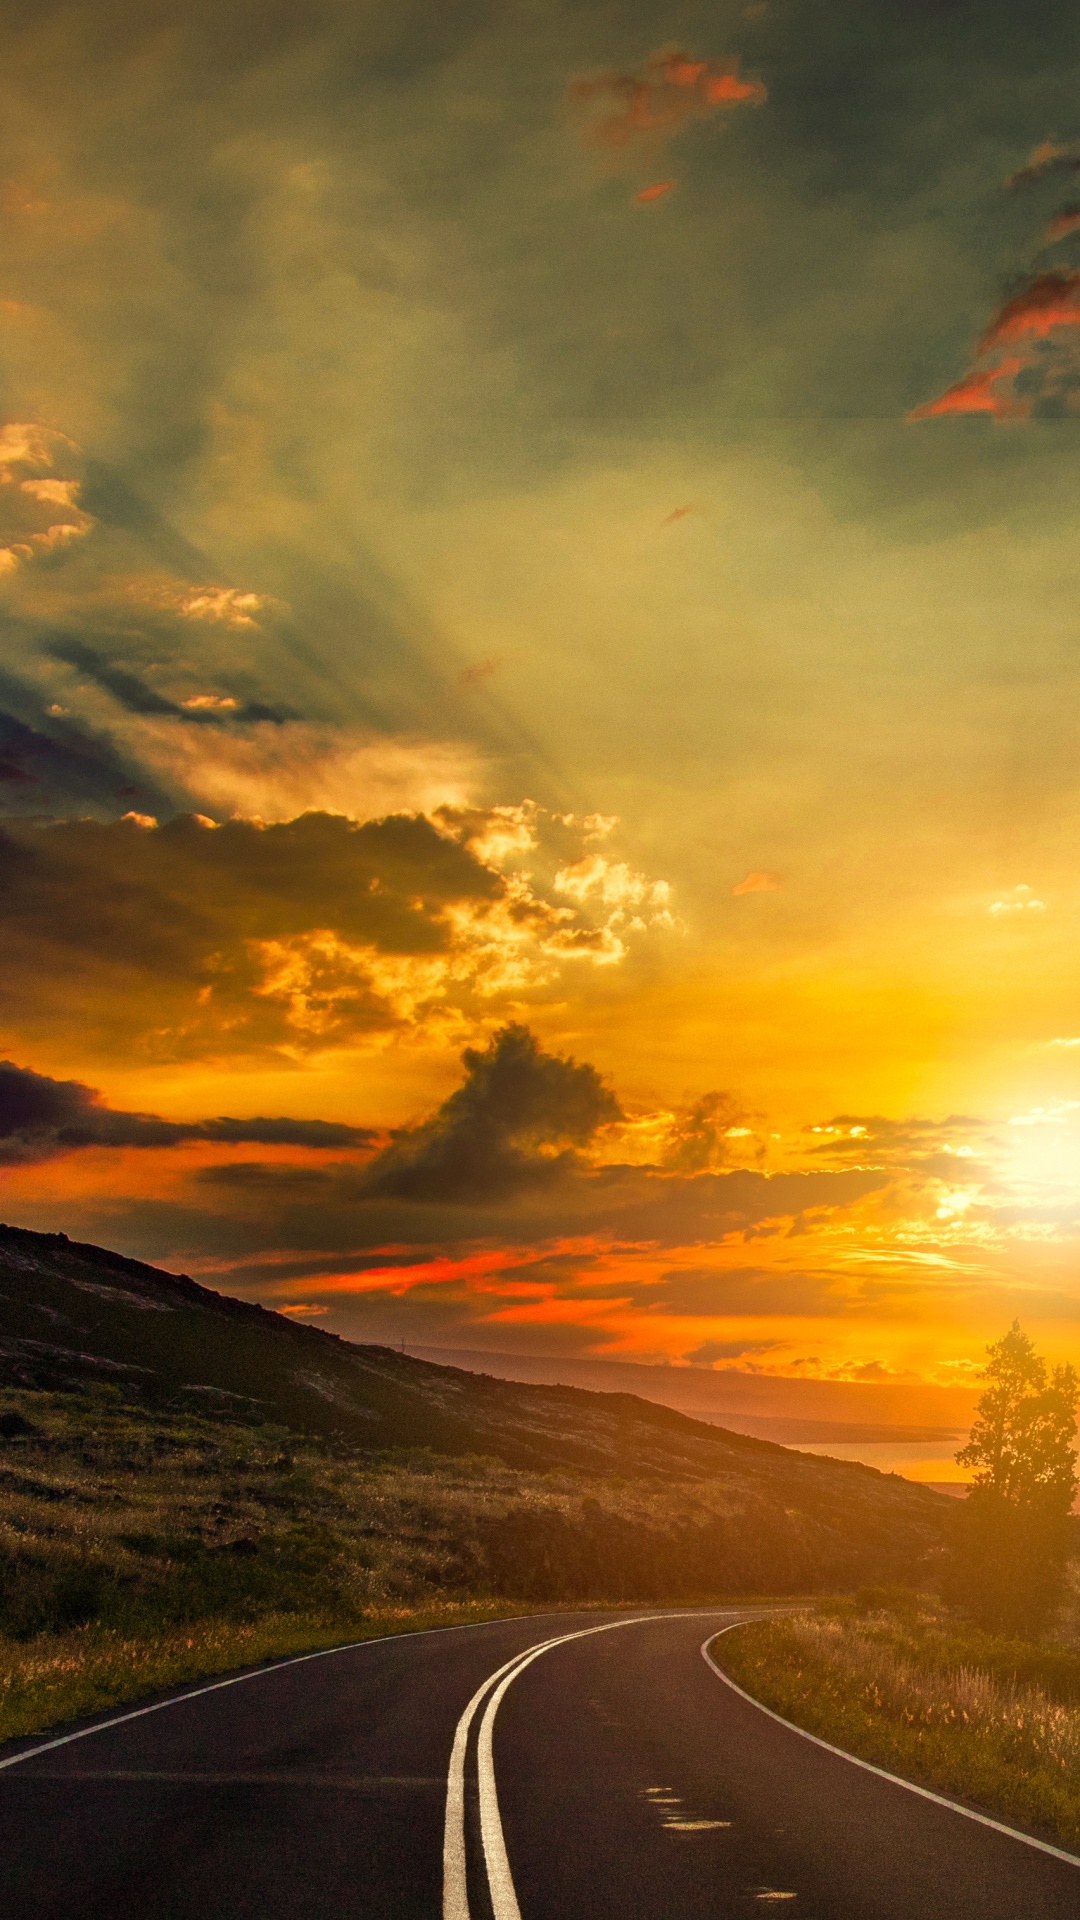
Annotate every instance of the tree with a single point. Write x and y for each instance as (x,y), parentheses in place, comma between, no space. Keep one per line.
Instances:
(1012,1541)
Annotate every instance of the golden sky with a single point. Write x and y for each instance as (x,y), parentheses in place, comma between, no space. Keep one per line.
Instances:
(543,535)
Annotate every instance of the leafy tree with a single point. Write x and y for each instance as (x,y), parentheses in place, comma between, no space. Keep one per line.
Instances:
(1012,1542)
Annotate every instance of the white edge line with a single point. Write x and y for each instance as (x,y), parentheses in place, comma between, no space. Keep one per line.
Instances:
(259,1673)
(895,1779)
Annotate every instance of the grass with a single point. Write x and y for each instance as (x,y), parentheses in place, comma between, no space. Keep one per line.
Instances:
(993,1721)
(140,1550)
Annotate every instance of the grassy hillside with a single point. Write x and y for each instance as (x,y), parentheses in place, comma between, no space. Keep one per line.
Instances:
(182,1471)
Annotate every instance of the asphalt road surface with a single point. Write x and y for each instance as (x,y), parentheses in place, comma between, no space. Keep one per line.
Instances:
(610,1776)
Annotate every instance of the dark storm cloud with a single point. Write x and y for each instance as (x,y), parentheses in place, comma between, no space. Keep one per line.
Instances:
(512,1124)
(546,1199)
(182,922)
(41,1118)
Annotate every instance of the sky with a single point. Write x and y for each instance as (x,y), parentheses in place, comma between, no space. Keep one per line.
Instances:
(539,686)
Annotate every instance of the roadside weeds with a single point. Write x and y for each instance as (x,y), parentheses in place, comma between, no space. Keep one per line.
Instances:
(885,1691)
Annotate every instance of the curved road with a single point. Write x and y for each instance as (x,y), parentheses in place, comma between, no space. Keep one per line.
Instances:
(560,1767)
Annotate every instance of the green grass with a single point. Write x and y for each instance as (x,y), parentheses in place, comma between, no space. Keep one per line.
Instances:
(996,1722)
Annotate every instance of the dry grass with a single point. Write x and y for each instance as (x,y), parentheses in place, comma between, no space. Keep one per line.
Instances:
(142,1550)
(61,1677)
(882,1688)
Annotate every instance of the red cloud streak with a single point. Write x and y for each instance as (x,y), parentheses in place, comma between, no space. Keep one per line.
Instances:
(1050,300)
(973,394)
(670,90)
(655,192)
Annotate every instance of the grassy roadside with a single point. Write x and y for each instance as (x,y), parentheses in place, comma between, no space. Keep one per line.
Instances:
(92,1669)
(993,1721)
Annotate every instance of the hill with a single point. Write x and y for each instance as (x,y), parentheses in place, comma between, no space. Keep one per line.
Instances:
(559,1492)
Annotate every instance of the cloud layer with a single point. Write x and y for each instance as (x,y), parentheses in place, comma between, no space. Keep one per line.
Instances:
(41,1118)
(194,938)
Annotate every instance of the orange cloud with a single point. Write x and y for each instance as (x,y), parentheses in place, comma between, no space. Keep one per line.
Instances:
(973,394)
(1049,300)
(677,513)
(476,1271)
(655,192)
(1048,303)
(1044,159)
(1063,223)
(758,882)
(670,90)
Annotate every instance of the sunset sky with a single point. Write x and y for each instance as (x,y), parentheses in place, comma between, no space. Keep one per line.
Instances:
(548,532)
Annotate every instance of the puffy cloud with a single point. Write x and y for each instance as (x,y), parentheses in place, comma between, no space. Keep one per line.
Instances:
(39,510)
(900,1143)
(277,770)
(704,1136)
(41,1118)
(319,931)
(135,694)
(1019,900)
(513,1123)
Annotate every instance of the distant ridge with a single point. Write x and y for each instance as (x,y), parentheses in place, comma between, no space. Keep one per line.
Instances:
(768,1406)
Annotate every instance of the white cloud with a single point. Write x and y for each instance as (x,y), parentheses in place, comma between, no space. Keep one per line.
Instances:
(1019,900)
(1051,1116)
(271,772)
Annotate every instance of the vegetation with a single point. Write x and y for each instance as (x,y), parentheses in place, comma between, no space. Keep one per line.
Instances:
(1013,1533)
(139,1548)
(189,1483)
(904,1684)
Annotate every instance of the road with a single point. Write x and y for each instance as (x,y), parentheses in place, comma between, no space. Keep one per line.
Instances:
(612,1776)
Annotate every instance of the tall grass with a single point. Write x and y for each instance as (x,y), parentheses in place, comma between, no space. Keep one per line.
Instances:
(882,1689)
